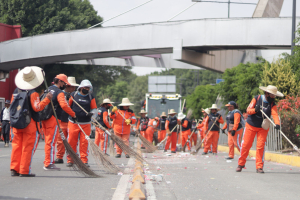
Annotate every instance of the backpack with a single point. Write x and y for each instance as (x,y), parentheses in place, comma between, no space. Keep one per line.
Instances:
(48,111)
(20,115)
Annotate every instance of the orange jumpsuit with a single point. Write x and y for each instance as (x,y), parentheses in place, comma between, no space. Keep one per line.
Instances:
(236,139)
(186,134)
(172,139)
(143,133)
(51,129)
(212,137)
(203,128)
(150,130)
(75,132)
(25,140)
(250,132)
(121,129)
(101,137)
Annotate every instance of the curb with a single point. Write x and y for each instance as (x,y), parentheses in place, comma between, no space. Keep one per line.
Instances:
(137,190)
(274,157)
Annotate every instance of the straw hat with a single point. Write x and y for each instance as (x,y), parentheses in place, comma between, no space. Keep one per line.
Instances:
(106,101)
(181,116)
(143,112)
(172,111)
(214,106)
(272,89)
(72,81)
(126,102)
(207,111)
(7,102)
(29,78)
(163,114)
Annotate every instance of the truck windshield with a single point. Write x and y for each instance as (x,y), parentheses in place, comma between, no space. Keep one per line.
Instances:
(155,108)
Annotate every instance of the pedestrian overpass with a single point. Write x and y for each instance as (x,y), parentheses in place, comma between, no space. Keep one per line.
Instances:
(214,44)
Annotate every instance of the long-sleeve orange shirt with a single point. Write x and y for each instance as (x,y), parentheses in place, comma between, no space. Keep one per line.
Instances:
(237,120)
(120,125)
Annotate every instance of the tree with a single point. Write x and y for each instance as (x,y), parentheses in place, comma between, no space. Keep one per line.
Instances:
(137,90)
(280,74)
(39,17)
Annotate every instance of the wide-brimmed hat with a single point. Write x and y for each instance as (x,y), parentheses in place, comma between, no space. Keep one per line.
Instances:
(143,112)
(107,101)
(231,103)
(7,102)
(72,81)
(181,116)
(214,106)
(207,111)
(272,89)
(163,114)
(126,102)
(29,78)
(172,111)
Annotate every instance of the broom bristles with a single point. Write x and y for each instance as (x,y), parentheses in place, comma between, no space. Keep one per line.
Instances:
(189,114)
(198,147)
(150,148)
(78,165)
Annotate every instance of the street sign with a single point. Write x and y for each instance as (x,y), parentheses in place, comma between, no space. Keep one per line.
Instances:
(162,84)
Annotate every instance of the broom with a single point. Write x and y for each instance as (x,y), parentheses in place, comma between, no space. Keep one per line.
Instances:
(115,138)
(184,147)
(99,156)
(294,146)
(78,165)
(166,137)
(111,145)
(198,147)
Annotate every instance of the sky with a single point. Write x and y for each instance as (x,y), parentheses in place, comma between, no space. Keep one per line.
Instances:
(163,10)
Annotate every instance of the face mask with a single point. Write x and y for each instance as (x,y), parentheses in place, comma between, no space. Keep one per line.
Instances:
(84,91)
(270,100)
(63,87)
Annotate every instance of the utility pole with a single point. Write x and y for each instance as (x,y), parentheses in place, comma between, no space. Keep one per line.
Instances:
(228,8)
(293,26)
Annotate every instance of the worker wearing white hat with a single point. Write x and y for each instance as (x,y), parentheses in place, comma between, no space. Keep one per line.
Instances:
(202,127)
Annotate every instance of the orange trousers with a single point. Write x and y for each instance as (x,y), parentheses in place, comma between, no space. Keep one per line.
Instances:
(149,134)
(161,135)
(212,139)
(194,138)
(125,138)
(24,145)
(185,136)
(101,138)
(50,130)
(171,140)
(75,134)
(234,141)
(143,133)
(248,138)
(59,143)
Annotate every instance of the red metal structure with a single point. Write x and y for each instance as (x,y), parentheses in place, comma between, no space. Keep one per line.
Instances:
(7,86)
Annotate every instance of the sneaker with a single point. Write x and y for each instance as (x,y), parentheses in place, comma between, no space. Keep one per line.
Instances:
(239,168)
(27,175)
(143,148)
(6,145)
(209,151)
(204,153)
(51,167)
(260,170)
(87,164)
(59,161)
(14,173)
(173,151)
(215,154)
(107,154)
(165,150)
(127,156)
(118,156)
(228,158)
(69,164)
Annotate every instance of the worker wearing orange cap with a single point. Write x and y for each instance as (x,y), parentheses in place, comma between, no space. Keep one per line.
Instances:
(234,127)
(255,126)
(101,137)
(49,125)
(152,125)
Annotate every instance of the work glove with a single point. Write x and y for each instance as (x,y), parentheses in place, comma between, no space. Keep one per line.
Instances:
(257,108)
(114,109)
(90,114)
(223,131)
(127,121)
(74,119)
(232,133)
(178,122)
(168,132)
(277,127)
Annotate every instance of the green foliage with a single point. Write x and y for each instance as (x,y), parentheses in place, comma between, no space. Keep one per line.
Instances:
(115,92)
(39,17)
(137,90)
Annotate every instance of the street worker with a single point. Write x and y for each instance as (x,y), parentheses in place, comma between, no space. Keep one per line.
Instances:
(162,127)
(258,124)
(142,124)
(234,126)
(194,136)
(26,139)
(213,124)
(186,129)
(101,137)
(171,125)
(49,125)
(64,121)
(123,118)
(87,101)
(5,122)
(152,127)
(202,126)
